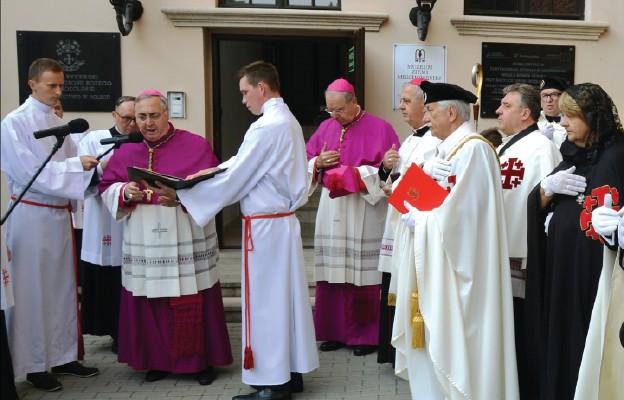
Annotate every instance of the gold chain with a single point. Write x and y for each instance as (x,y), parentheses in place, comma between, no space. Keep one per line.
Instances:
(349,125)
(151,150)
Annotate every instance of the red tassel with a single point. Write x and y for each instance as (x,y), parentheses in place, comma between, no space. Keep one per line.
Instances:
(248,362)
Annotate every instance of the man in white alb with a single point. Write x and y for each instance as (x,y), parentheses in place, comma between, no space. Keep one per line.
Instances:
(268,176)
(43,327)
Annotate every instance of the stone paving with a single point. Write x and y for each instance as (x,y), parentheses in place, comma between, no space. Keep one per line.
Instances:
(341,376)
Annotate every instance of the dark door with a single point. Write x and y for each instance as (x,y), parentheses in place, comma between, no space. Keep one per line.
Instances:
(306,66)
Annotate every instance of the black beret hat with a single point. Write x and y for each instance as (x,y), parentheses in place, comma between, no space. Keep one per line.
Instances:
(553,82)
(435,92)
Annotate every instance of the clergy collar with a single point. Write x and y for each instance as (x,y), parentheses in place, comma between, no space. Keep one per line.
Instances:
(163,139)
(271,102)
(39,105)
(114,131)
(420,131)
(356,119)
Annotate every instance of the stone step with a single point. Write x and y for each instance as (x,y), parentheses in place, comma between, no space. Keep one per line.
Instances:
(230,273)
(233,289)
(233,311)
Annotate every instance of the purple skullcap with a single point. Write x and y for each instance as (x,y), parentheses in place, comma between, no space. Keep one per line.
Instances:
(341,85)
(151,92)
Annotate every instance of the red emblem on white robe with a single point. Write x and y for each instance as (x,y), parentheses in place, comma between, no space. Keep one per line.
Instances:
(512,173)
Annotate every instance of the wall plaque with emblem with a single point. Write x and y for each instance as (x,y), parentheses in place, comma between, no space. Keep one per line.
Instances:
(507,63)
(91,62)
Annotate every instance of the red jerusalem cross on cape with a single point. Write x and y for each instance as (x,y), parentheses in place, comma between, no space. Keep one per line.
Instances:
(512,172)
(592,201)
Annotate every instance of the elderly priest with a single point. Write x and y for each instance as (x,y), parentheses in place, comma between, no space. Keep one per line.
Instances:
(453,326)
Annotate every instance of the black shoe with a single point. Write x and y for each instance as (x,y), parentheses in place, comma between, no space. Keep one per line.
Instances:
(74,368)
(267,393)
(206,377)
(114,346)
(44,381)
(362,350)
(296,382)
(154,375)
(331,345)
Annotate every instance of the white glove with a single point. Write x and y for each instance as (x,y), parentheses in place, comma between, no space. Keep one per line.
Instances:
(548,130)
(604,219)
(437,168)
(621,231)
(564,182)
(547,222)
(409,218)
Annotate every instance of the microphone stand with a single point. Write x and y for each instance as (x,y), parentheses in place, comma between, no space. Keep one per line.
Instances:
(59,142)
(116,146)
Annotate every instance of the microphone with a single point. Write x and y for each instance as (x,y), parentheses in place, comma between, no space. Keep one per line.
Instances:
(134,137)
(78,125)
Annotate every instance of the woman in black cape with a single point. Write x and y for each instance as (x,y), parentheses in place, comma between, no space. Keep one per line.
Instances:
(564,252)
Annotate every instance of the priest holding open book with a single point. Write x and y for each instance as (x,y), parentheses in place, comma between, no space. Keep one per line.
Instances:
(171,317)
(456,302)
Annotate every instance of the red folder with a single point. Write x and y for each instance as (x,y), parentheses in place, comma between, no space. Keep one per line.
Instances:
(418,189)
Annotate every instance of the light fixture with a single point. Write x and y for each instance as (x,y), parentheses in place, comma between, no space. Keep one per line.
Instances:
(131,10)
(420,17)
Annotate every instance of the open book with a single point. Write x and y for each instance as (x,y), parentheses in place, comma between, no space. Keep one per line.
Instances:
(135,174)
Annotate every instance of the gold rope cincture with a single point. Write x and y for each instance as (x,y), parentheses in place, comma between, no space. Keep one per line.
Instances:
(392,299)
(151,149)
(418,322)
(416,318)
(466,139)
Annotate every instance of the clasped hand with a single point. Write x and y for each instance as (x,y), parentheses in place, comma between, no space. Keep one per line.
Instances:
(391,158)
(327,158)
(564,182)
(437,168)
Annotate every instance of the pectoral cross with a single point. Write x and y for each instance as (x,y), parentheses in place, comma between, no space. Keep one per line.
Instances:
(148,194)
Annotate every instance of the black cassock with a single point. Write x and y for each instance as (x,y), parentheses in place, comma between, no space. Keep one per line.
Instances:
(563,268)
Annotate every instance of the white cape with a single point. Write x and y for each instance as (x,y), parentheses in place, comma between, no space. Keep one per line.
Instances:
(463,283)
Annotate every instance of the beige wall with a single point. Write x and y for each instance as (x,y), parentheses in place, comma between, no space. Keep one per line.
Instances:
(596,61)
(158,55)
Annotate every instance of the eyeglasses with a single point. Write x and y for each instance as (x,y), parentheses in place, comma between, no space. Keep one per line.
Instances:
(126,120)
(339,111)
(152,116)
(553,96)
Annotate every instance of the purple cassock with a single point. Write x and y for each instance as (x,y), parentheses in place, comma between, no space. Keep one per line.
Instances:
(364,142)
(184,334)
(349,312)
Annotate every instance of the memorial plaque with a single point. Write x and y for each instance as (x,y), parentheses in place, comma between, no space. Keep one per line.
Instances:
(91,62)
(507,63)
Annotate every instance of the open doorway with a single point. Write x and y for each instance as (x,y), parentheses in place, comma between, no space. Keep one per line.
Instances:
(306,66)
